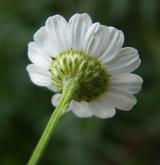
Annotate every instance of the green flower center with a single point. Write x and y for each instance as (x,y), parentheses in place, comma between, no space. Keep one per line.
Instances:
(91,75)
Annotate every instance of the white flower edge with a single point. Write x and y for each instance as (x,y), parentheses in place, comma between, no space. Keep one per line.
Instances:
(104,43)
(119,95)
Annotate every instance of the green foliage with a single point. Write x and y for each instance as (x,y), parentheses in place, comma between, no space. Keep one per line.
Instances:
(131,138)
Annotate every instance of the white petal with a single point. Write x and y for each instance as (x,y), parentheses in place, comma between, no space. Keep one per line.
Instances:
(126,61)
(132,83)
(101,108)
(39,76)
(52,88)
(76,30)
(80,109)
(114,42)
(102,41)
(55,99)
(37,57)
(43,40)
(103,112)
(56,27)
(120,99)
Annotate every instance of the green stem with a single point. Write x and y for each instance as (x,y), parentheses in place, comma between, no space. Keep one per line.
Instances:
(67,95)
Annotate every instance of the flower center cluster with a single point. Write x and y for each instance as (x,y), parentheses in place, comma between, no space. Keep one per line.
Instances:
(91,76)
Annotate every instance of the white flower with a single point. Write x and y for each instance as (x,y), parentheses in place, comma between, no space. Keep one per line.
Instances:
(104,43)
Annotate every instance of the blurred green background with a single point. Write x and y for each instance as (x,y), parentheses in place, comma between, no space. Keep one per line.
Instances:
(130,138)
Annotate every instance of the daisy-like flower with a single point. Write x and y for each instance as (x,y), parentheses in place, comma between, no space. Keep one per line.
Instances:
(90,54)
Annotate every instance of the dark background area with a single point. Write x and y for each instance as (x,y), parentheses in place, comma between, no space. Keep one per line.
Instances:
(130,138)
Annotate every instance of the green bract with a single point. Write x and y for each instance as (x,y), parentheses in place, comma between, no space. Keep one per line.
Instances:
(73,64)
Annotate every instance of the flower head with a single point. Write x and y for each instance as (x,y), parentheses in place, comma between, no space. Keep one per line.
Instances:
(91,54)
